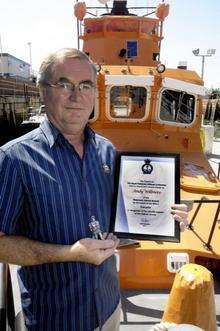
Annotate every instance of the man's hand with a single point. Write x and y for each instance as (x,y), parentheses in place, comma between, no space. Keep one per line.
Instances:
(180,214)
(93,251)
(26,252)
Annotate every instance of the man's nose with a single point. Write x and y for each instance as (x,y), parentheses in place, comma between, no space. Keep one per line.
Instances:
(74,94)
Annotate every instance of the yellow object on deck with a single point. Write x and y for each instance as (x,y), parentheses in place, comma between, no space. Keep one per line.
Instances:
(191,298)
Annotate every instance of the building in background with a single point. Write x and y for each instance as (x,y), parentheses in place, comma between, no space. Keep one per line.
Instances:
(11,66)
(18,94)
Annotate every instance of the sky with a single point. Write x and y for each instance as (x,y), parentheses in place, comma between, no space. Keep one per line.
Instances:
(50,24)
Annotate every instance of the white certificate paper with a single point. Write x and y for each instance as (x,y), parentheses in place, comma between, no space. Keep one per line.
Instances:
(146,191)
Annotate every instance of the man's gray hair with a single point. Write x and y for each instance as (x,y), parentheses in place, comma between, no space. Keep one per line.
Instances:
(45,70)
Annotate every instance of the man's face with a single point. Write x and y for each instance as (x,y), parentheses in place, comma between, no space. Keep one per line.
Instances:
(69,110)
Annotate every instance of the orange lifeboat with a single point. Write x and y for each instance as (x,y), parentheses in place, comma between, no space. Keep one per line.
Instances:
(141,108)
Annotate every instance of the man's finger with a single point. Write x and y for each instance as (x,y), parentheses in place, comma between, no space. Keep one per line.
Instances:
(182,226)
(105,254)
(109,236)
(183,222)
(179,218)
(112,236)
(180,213)
(103,244)
(182,207)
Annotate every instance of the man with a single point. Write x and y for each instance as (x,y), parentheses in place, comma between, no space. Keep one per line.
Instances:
(53,183)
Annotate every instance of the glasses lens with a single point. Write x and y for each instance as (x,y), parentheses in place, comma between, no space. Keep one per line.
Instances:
(67,86)
(85,86)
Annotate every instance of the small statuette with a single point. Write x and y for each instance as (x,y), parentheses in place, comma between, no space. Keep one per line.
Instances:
(94,227)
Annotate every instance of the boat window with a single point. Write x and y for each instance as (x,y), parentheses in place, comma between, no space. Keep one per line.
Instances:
(177,106)
(128,102)
(132,48)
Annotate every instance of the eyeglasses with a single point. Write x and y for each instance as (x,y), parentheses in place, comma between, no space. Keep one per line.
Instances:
(69,87)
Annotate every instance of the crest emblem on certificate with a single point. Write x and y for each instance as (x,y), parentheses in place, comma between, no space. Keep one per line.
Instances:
(147,168)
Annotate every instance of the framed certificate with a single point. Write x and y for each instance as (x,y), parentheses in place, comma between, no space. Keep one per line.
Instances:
(146,185)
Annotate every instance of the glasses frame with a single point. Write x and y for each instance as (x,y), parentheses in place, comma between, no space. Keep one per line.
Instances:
(61,85)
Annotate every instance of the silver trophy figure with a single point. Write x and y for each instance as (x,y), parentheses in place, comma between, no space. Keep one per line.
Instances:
(94,227)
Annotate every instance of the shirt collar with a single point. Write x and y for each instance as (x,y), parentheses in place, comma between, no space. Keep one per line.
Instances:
(52,134)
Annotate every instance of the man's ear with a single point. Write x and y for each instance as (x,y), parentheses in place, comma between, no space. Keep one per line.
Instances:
(42,91)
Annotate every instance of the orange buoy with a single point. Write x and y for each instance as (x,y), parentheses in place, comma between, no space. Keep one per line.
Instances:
(162,11)
(80,10)
(191,299)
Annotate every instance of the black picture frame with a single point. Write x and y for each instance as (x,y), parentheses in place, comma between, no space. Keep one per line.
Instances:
(145,236)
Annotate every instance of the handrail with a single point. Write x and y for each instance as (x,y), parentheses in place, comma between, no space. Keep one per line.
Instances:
(206,244)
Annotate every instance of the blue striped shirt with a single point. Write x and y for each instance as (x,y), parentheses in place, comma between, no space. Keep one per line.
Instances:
(49,194)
